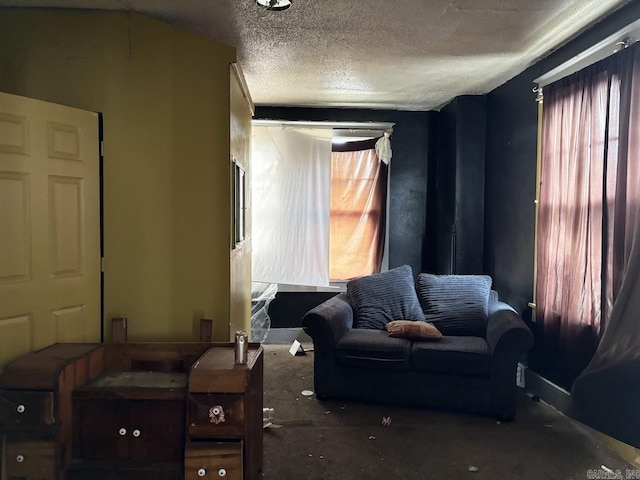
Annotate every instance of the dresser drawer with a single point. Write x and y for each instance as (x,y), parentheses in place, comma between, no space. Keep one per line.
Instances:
(216,415)
(26,409)
(34,460)
(91,470)
(213,461)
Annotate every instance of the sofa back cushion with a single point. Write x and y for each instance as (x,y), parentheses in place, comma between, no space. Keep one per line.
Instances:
(381,298)
(455,304)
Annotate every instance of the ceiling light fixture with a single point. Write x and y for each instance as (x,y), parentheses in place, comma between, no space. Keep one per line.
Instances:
(277,5)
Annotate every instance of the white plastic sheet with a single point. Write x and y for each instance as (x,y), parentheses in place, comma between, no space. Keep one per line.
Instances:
(383,148)
(261,296)
(291,180)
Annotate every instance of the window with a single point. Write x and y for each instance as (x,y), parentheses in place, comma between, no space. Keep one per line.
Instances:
(357,214)
(294,203)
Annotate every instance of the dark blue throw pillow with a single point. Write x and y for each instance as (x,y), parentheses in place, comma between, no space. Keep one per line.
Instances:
(381,298)
(455,304)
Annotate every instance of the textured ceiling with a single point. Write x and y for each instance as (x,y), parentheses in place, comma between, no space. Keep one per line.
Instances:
(398,54)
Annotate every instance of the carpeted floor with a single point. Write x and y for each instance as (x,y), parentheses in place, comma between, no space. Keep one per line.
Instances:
(346,440)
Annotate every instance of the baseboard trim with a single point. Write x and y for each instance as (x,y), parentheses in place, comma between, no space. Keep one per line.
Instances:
(549,392)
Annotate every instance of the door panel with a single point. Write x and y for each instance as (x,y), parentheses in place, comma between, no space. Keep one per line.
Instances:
(50,238)
(65,225)
(15,256)
(15,335)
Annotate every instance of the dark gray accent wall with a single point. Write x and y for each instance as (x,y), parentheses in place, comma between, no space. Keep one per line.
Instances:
(287,308)
(460,186)
(511,162)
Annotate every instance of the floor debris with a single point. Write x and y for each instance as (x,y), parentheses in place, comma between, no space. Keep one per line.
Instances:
(267,414)
(271,425)
(307,393)
(372,437)
(386,421)
(473,468)
(606,469)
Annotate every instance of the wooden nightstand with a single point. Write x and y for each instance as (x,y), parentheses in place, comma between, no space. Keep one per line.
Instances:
(224,415)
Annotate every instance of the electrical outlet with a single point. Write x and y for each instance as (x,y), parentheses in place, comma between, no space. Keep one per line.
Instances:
(520,374)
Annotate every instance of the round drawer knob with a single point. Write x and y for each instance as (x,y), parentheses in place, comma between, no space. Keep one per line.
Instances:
(222,472)
(20,458)
(136,433)
(216,414)
(122,431)
(20,408)
(202,472)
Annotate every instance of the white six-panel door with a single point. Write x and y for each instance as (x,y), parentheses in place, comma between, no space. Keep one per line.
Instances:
(49,225)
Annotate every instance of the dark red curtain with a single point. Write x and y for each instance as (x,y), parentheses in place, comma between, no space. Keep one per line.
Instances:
(357,220)
(587,208)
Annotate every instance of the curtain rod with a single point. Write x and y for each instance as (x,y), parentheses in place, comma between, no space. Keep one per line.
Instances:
(603,49)
(384,126)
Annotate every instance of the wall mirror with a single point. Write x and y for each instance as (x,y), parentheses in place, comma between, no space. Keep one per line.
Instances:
(238,203)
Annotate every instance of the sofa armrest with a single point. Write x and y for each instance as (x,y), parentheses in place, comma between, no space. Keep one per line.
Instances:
(507,334)
(327,322)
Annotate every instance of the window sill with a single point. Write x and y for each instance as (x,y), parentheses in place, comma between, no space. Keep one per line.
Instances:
(338,287)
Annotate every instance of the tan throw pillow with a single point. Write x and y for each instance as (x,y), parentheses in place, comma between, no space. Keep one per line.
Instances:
(414,330)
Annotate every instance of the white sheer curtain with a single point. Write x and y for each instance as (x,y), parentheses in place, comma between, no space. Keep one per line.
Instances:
(291,183)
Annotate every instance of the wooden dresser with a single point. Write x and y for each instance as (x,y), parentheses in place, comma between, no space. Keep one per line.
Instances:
(132,411)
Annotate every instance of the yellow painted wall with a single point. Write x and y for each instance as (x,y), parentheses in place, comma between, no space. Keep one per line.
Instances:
(164,94)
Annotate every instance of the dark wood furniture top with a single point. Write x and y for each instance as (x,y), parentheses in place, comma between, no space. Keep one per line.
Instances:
(133,410)
(216,371)
(41,370)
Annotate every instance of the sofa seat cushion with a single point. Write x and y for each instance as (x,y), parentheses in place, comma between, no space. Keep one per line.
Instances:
(373,349)
(458,355)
